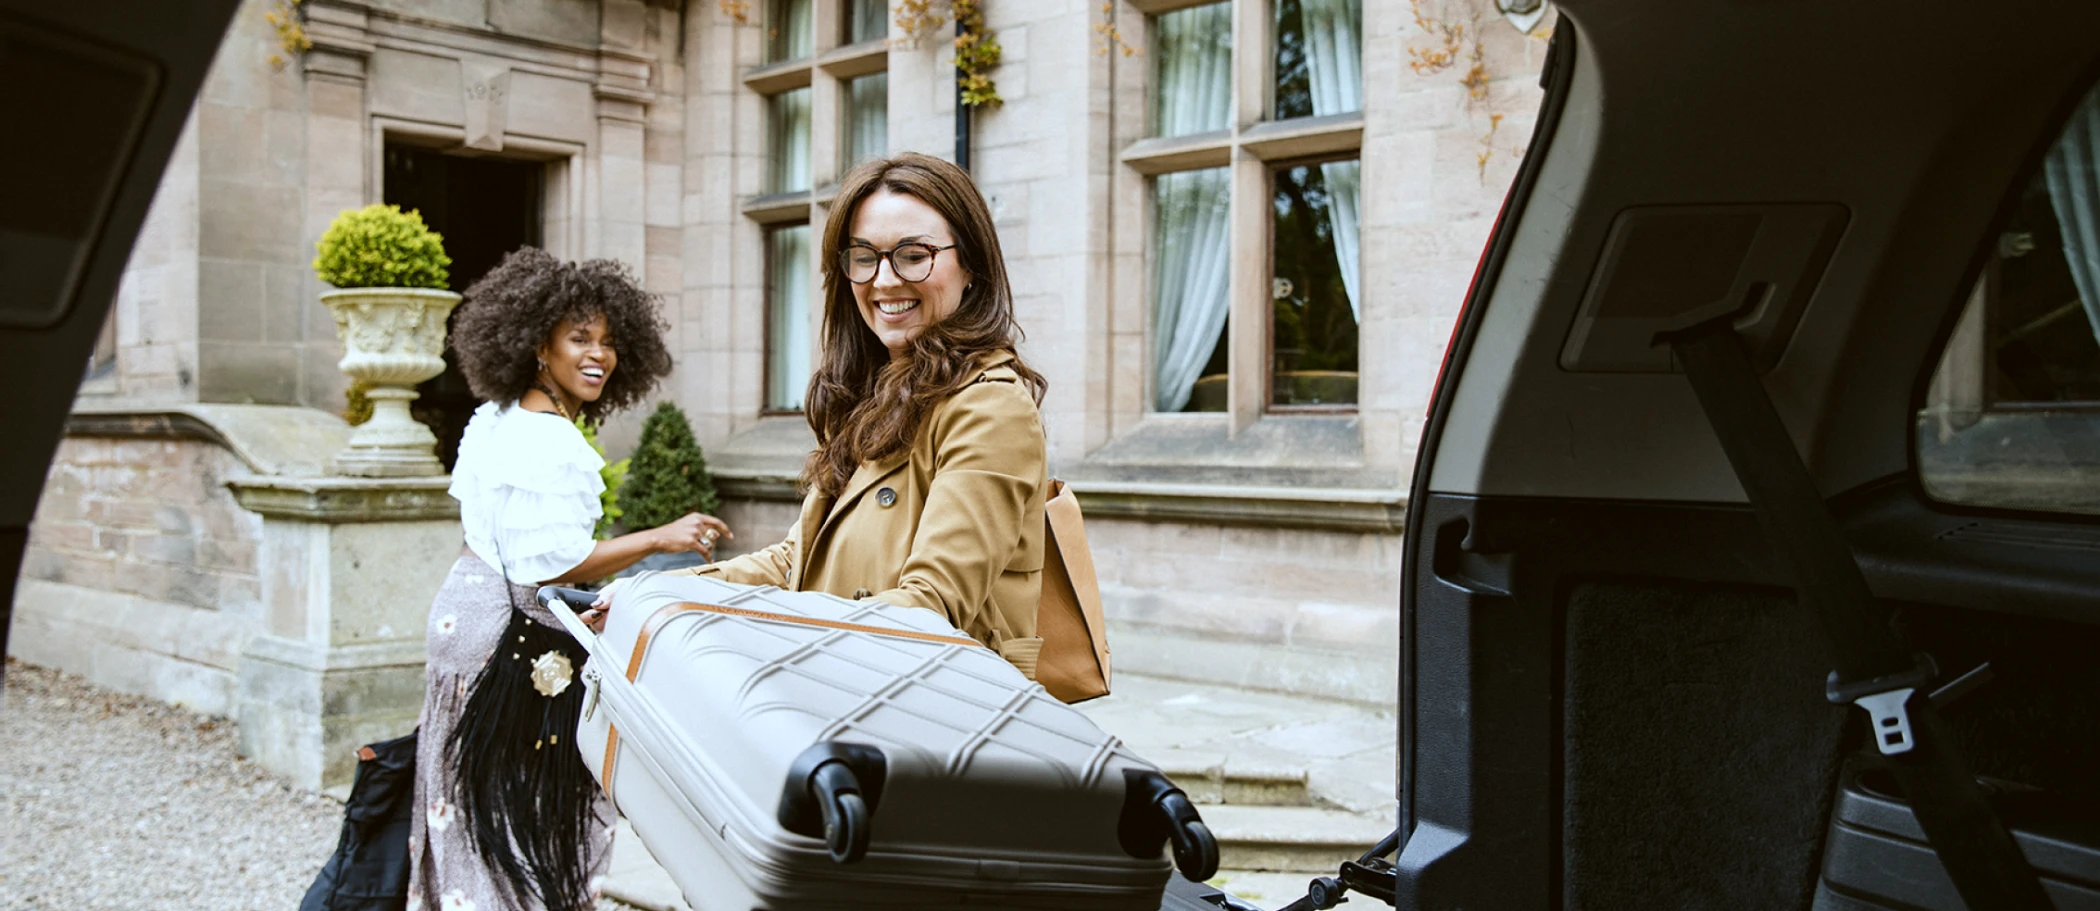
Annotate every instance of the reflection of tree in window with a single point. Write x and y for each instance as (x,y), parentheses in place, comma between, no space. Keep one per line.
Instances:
(1315,326)
(1293,81)
(1318,57)
(2041,340)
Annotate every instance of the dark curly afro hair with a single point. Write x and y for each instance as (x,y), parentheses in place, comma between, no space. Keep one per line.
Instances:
(514,309)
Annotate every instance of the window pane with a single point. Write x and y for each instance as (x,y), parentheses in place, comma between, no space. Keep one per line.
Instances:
(2012,417)
(787,317)
(867,118)
(1190,270)
(788,169)
(102,362)
(1315,285)
(865,20)
(1319,57)
(1193,79)
(790,30)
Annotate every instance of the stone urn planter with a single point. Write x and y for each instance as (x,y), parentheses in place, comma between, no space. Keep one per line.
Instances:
(393,339)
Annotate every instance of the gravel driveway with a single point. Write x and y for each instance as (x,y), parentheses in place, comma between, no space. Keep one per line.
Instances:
(115,802)
(111,801)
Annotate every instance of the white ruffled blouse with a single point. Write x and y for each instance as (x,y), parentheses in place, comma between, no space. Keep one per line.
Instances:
(528,489)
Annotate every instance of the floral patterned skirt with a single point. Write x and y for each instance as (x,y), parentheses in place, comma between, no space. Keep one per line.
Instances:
(466,620)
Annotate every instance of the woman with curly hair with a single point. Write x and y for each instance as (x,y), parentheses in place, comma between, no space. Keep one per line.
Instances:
(926,488)
(510,816)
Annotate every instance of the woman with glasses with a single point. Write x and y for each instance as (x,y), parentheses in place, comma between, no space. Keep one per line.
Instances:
(926,488)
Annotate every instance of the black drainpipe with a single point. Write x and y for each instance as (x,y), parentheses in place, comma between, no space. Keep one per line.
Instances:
(962,113)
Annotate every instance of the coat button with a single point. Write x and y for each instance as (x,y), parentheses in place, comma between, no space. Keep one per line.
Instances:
(886,497)
(860,593)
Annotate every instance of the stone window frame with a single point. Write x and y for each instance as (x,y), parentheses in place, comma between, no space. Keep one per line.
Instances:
(562,196)
(826,72)
(1256,449)
(1252,147)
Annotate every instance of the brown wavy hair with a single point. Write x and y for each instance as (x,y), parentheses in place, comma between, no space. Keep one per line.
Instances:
(865,405)
(508,314)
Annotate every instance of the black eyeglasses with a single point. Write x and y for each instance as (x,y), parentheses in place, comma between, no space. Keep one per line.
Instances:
(912,262)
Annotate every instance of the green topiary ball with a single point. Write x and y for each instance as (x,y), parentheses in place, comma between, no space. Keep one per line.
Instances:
(667,476)
(381,247)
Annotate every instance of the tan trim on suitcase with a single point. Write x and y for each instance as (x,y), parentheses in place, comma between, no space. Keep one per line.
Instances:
(663,616)
(612,755)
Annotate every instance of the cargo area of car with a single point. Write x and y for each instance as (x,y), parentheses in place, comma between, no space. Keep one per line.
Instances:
(1612,696)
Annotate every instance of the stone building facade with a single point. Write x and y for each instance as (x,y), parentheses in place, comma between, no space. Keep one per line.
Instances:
(1161,172)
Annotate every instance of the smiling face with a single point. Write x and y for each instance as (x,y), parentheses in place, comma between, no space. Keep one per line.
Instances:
(580,358)
(894,309)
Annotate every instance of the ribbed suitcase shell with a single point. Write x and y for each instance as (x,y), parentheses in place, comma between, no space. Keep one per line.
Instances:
(997,795)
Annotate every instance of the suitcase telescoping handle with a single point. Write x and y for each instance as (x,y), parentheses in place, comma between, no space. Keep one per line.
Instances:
(576,600)
(1156,812)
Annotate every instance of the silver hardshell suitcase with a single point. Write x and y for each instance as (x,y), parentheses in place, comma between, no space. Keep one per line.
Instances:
(794,750)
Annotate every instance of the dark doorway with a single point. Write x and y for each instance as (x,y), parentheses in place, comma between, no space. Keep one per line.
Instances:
(484,208)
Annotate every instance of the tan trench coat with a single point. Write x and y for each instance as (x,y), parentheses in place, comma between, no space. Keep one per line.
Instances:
(953,524)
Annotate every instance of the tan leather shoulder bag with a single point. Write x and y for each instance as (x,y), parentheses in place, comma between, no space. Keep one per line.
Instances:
(1074,664)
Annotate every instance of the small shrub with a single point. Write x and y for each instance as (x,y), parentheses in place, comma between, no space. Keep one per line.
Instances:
(614,474)
(381,247)
(668,477)
(357,406)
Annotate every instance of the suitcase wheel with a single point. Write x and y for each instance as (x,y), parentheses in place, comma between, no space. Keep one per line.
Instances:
(1195,850)
(1155,813)
(846,827)
(832,792)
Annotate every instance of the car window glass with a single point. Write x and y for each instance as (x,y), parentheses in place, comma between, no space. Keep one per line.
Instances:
(2012,416)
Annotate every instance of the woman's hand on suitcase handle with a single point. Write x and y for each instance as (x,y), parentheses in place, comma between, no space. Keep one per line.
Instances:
(694,532)
(595,616)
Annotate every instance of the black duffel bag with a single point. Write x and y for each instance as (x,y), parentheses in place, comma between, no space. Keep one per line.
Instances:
(369,870)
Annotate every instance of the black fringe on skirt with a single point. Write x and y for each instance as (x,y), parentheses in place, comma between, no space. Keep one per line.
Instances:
(522,785)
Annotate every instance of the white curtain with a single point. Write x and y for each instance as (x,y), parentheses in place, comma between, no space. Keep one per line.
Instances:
(2073,176)
(868,21)
(868,118)
(789,165)
(1191,272)
(1195,71)
(1335,67)
(787,317)
(793,23)
(1191,242)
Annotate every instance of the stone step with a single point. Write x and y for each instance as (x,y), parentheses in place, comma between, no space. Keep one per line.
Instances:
(1209,782)
(1291,839)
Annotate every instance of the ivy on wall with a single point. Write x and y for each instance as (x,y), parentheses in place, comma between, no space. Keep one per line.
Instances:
(1109,37)
(284,16)
(977,48)
(1454,34)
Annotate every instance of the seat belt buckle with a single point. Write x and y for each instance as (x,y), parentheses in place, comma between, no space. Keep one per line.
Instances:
(1885,700)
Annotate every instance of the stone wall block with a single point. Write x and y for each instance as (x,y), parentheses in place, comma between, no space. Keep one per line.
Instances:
(1352,626)
(1254,619)
(1155,538)
(63,536)
(1291,550)
(246,221)
(383,575)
